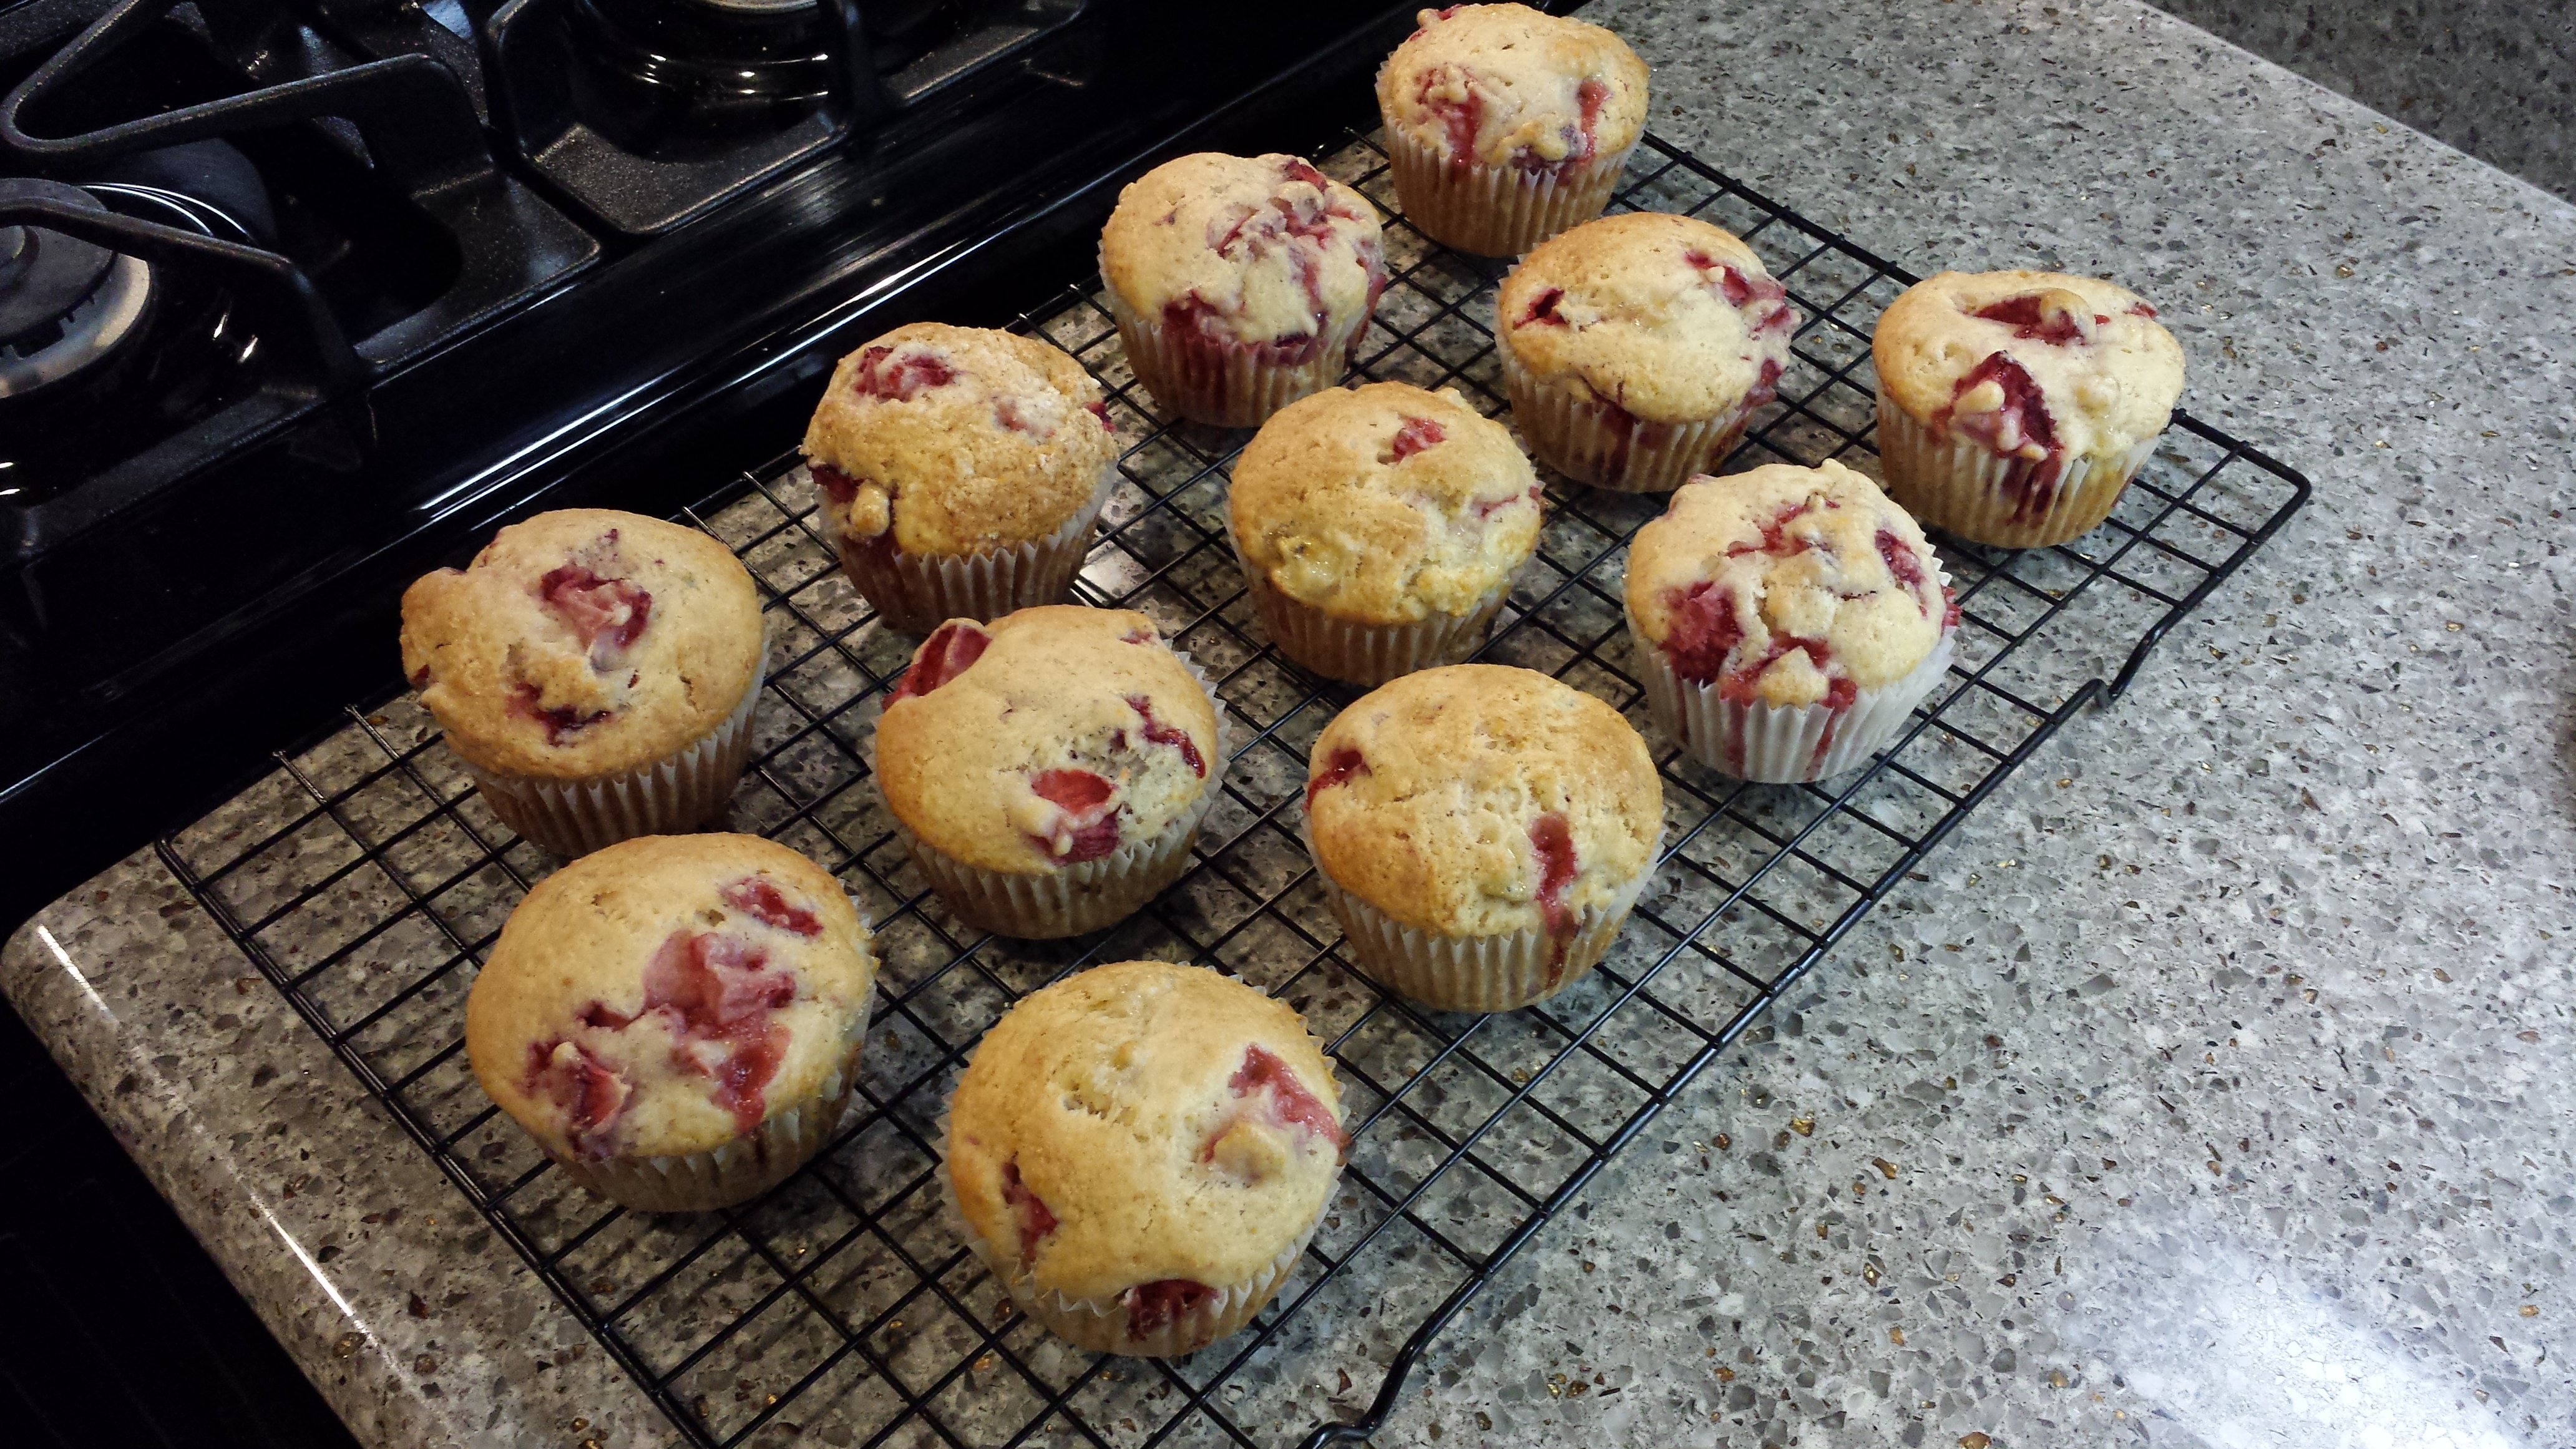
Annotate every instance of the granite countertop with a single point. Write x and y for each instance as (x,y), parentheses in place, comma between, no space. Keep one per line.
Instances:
(2202,1092)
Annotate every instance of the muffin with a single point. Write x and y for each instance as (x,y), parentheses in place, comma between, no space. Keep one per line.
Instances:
(1505,126)
(2014,406)
(1482,832)
(1787,620)
(596,672)
(1141,1151)
(961,471)
(1049,771)
(1239,284)
(676,1019)
(1380,528)
(1636,347)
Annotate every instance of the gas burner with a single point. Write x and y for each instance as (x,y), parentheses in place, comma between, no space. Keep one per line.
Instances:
(66,306)
(681,79)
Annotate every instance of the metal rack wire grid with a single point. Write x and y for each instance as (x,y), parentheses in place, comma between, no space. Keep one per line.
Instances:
(366,881)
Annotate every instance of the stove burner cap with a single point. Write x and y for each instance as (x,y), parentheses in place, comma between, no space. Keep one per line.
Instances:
(65,305)
(44,274)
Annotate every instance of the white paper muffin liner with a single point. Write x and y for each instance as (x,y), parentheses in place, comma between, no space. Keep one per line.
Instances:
(742,1169)
(1573,434)
(1076,898)
(1239,390)
(1363,653)
(670,796)
(1495,211)
(917,592)
(1962,486)
(1100,1324)
(1777,744)
(1477,973)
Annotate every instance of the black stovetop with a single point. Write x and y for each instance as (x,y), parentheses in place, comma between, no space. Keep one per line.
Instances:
(460,262)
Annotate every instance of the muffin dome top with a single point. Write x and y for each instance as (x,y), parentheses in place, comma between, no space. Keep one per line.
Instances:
(583,642)
(1263,250)
(1050,737)
(1144,1125)
(1666,316)
(1481,799)
(2034,364)
(1787,585)
(1385,503)
(1505,85)
(952,440)
(665,995)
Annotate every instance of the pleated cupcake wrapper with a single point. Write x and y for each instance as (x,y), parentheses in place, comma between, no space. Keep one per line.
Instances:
(670,796)
(1964,487)
(1495,211)
(1100,1324)
(1362,653)
(1076,898)
(742,1169)
(1573,434)
(1777,744)
(1239,390)
(916,592)
(1476,973)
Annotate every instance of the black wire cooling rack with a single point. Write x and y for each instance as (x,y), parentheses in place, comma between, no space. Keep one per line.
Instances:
(366,880)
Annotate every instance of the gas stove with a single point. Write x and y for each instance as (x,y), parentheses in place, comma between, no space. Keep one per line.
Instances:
(299,298)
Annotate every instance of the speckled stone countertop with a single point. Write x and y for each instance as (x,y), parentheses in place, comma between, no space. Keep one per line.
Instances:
(2210,1089)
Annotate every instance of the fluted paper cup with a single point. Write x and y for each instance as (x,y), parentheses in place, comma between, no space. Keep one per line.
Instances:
(1070,900)
(678,793)
(1477,973)
(1229,385)
(1581,437)
(1963,487)
(1782,744)
(916,593)
(1363,653)
(742,1169)
(1495,211)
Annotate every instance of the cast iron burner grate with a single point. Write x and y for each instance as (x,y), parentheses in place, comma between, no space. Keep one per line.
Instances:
(844,1305)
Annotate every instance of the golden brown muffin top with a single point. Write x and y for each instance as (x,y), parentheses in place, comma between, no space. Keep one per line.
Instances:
(2030,363)
(583,643)
(1252,249)
(1506,85)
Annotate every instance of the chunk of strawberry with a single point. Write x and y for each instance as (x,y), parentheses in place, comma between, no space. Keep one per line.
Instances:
(1904,565)
(1704,631)
(889,376)
(1289,1103)
(1552,842)
(1028,1211)
(838,486)
(1088,827)
(607,614)
(1337,771)
(1541,311)
(764,902)
(949,651)
(589,1091)
(1159,733)
(562,721)
(2031,318)
(1416,435)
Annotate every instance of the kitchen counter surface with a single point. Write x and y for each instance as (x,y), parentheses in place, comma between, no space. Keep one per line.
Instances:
(2209,1088)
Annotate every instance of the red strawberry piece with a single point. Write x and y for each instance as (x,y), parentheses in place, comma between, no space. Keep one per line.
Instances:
(1100,410)
(608,614)
(1949,608)
(1776,541)
(1153,1307)
(714,987)
(1840,693)
(1416,435)
(589,1091)
(1461,119)
(838,486)
(562,721)
(2141,309)
(1766,384)
(1028,1210)
(2029,319)
(884,374)
(1296,169)
(947,653)
(1159,733)
(1290,1104)
(1553,843)
(1492,506)
(1008,414)
(1542,309)
(2023,420)
(1089,828)
(767,904)
(1903,563)
(1703,633)
(1337,771)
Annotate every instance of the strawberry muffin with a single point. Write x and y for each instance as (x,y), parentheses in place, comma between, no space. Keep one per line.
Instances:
(1636,347)
(1787,620)
(1141,1151)
(677,1019)
(961,471)
(1240,283)
(1049,771)
(1482,832)
(595,671)
(2013,407)
(1380,528)
(1505,126)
